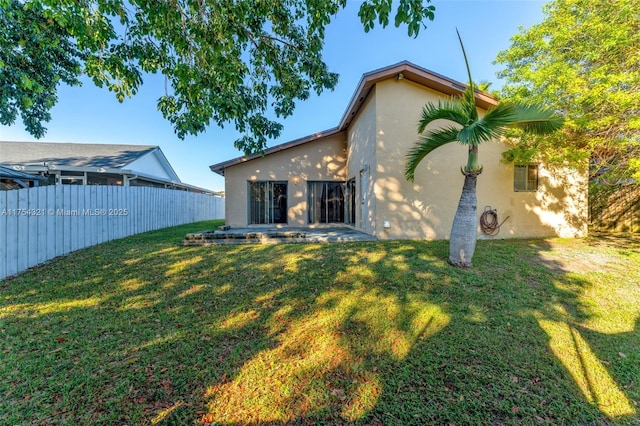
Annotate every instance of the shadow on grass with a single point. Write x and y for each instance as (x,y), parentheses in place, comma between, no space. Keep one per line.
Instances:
(143,331)
(515,350)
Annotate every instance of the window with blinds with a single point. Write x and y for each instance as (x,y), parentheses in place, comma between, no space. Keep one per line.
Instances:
(525,178)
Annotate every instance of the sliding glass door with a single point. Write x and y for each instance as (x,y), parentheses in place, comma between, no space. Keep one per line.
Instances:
(326,202)
(350,202)
(267,202)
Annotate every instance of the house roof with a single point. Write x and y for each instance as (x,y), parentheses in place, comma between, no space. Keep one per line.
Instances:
(402,70)
(80,155)
(103,158)
(72,154)
(9,173)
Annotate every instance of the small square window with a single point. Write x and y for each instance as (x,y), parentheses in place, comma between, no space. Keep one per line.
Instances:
(525,178)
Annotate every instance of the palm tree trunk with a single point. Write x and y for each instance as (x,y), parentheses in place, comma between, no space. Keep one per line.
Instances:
(462,243)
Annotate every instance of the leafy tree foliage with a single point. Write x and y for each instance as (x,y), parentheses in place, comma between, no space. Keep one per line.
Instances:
(224,61)
(583,60)
(35,55)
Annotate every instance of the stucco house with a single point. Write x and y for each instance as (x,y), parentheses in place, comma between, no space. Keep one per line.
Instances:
(94,164)
(353,174)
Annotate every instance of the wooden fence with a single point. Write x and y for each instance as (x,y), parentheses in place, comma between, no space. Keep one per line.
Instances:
(615,208)
(38,224)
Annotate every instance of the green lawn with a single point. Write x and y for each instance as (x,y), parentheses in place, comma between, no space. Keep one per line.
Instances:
(145,331)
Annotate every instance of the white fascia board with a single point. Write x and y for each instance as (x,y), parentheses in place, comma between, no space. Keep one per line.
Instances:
(154,163)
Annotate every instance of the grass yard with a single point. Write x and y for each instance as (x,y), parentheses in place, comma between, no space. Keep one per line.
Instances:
(143,331)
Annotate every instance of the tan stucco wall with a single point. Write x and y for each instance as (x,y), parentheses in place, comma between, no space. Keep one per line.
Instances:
(558,208)
(361,163)
(425,209)
(377,141)
(324,159)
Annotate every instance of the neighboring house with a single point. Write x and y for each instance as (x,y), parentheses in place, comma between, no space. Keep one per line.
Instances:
(14,179)
(354,174)
(94,164)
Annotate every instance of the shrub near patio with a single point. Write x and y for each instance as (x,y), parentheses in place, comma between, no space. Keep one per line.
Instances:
(145,331)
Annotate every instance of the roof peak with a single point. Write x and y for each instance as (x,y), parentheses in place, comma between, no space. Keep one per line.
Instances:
(400,70)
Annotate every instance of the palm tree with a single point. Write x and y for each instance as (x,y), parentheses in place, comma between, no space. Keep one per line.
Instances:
(467,128)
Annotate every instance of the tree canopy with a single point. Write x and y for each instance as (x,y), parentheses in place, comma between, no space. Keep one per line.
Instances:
(224,61)
(583,61)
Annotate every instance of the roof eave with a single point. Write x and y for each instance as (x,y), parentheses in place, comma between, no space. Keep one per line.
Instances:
(408,71)
(11,173)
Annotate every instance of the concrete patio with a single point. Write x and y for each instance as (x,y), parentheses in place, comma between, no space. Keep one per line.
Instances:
(270,235)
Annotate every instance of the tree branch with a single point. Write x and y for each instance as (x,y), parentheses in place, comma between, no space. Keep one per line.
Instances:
(253,37)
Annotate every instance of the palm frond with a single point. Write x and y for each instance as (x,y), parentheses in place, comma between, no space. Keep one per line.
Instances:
(427,143)
(468,101)
(489,127)
(534,118)
(469,95)
(498,119)
(466,62)
(479,132)
(449,109)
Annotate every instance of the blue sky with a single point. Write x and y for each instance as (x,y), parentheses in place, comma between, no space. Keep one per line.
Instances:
(91,115)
